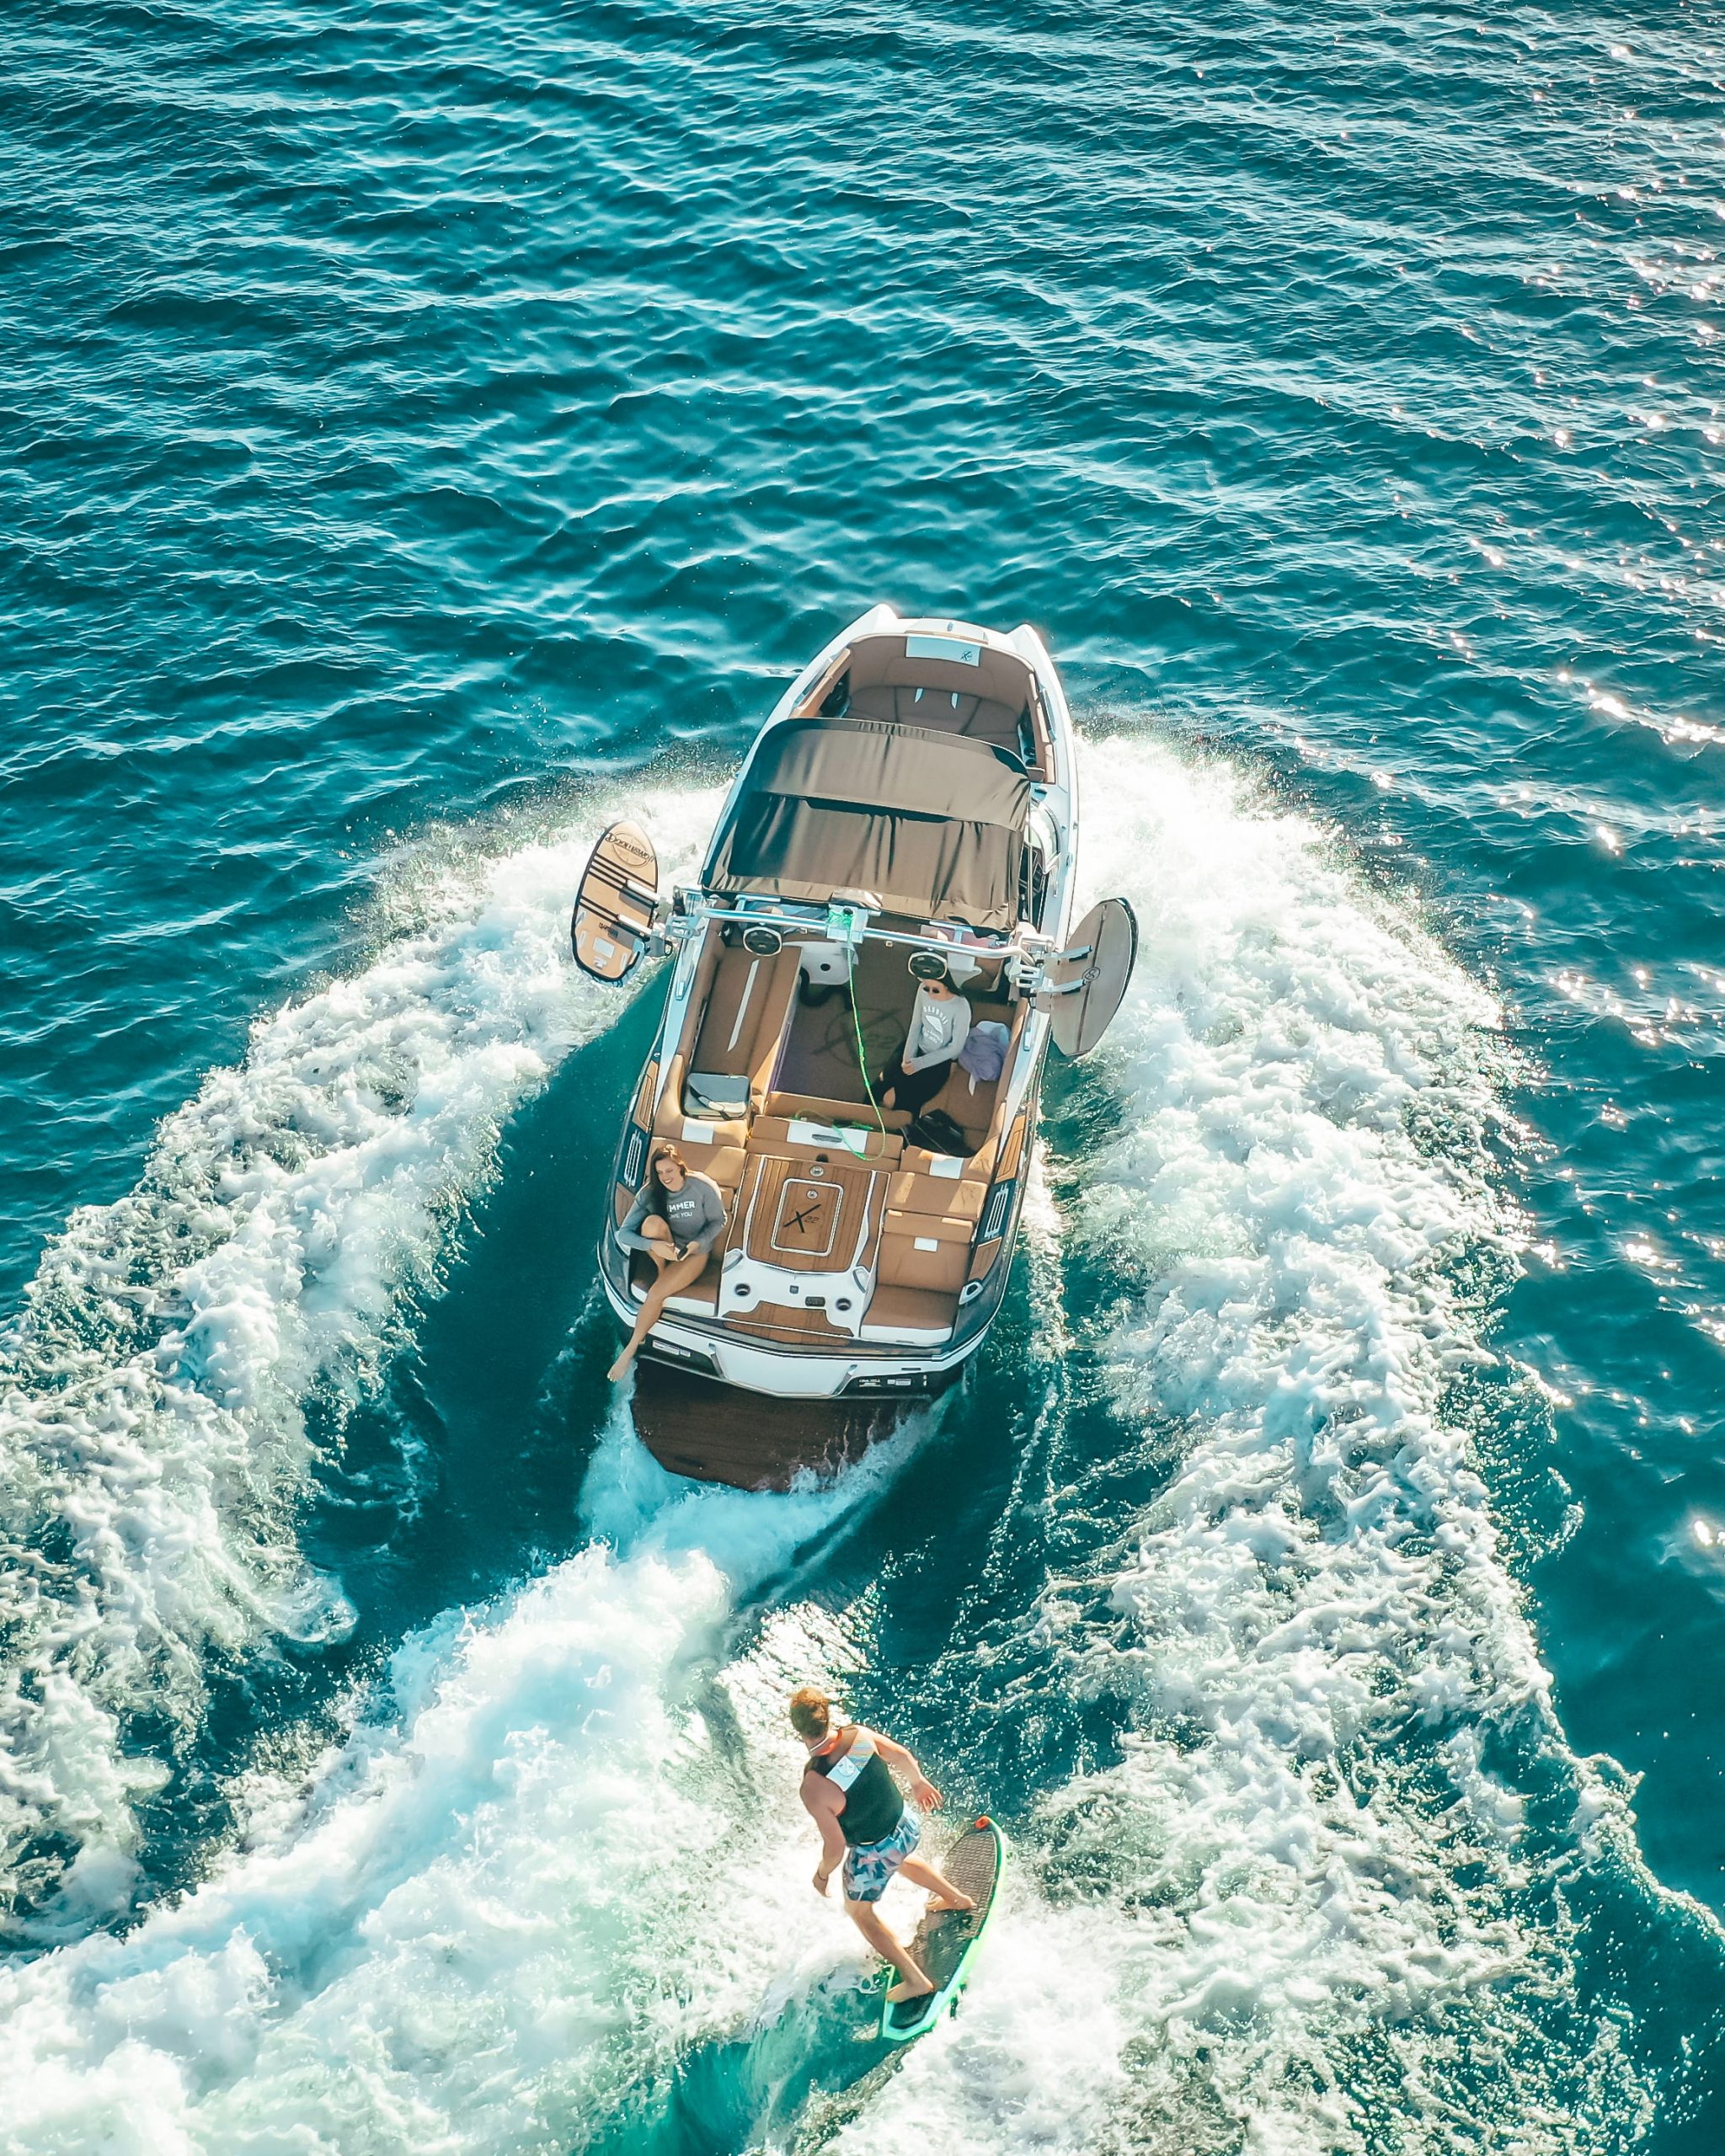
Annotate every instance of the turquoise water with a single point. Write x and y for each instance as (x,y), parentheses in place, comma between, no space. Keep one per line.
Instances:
(429,430)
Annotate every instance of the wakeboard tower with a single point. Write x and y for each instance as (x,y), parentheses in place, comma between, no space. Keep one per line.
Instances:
(910,807)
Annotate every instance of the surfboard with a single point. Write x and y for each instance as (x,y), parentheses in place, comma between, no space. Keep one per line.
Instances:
(1088,980)
(613,914)
(946,1940)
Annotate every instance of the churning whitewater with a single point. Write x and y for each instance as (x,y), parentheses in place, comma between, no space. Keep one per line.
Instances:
(1330,1864)
(1336,1861)
(152,1439)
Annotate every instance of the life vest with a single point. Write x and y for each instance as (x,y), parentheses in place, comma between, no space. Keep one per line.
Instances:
(874,1806)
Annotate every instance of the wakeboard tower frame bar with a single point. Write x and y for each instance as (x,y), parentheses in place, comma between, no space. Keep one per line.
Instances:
(1029,957)
(690,913)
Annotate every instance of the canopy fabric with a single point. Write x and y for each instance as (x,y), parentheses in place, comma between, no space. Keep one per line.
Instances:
(931,823)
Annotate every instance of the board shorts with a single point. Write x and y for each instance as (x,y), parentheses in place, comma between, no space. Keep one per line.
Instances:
(870,1865)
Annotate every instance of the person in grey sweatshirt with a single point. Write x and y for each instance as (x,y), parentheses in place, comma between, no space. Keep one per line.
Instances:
(675,1219)
(940,1024)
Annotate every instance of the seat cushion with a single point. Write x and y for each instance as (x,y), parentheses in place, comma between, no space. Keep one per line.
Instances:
(671,1127)
(944,1167)
(748,1003)
(771,1134)
(919,1316)
(957,1197)
(929,1227)
(972,1111)
(924,1262)
(944,711)
(807,1108)
(673,1121)
(723,1163)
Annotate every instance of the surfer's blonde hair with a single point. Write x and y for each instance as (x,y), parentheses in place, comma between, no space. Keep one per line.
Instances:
(811,1711)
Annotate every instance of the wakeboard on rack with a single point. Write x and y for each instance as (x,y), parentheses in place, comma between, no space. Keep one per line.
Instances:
(615,903)
(946,1940)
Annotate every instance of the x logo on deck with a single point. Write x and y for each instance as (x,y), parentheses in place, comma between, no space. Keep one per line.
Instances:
(805,1222)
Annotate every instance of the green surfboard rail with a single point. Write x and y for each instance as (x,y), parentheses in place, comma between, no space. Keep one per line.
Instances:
(925,1946)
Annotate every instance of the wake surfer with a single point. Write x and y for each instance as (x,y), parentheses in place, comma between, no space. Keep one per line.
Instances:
(866,1825)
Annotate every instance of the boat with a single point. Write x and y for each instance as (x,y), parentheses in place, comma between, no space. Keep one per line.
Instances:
(908,810)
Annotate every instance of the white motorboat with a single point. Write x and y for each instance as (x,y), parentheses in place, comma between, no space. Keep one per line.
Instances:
(909,810)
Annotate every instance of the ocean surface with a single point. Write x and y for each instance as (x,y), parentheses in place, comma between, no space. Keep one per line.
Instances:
(432,429)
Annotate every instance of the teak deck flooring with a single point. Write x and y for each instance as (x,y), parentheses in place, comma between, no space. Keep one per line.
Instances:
(805,1215)
(694,1426)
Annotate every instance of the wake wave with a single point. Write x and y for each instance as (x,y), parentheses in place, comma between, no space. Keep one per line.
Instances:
(565,1855)
(1329,1873)
(1329,1892)
(153,1443)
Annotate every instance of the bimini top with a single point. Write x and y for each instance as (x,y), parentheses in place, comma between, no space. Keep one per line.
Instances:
(932,824)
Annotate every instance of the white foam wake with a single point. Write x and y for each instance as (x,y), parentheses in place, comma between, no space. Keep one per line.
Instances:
(151,1439)
(1308,1909)
(1305,1906)
(571,1854)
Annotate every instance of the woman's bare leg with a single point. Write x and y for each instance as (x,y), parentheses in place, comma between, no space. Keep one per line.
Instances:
(656,1234)
(660,1249)
(674,1273)
(947,1896)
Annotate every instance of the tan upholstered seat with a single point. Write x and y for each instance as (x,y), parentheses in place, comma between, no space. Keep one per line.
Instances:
(992,689)
(980,1113)
(917,1190)
(973,1112)
(771,1134)
(807,1108)
(943,1227)
(916,1317)
(947,711)
(917,1160)
(702,1293)
(673,1122)
(930,1253)
(742,1023)
(723,1163)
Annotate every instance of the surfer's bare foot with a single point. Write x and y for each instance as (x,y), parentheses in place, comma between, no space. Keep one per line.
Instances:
(619,1369)
(936,1903)
(905,1989)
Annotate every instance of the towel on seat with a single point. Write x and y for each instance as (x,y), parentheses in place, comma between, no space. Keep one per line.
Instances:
(984,1053)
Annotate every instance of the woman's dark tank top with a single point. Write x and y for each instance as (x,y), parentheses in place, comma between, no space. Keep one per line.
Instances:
(873,1804)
